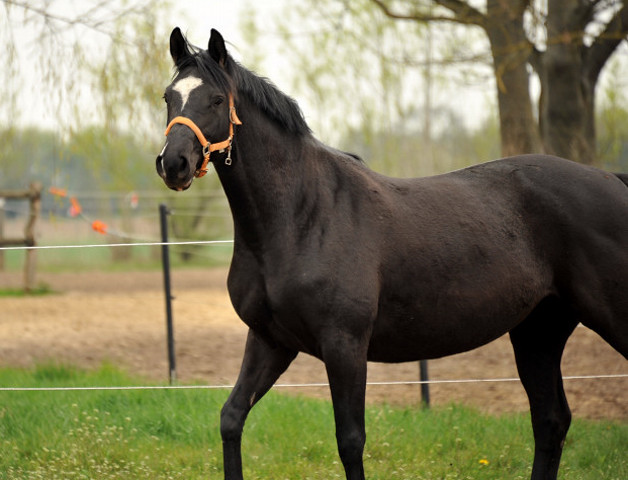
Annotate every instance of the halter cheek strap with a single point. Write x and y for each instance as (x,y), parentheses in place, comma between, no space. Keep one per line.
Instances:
(209,147)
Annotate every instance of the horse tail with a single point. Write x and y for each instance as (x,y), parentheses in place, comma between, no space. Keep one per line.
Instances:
(623,177)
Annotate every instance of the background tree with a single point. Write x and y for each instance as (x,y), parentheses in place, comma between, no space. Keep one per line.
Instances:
(566,42)
(561,46)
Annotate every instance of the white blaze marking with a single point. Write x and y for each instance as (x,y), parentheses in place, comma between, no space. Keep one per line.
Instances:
(185,86)
(161,155)
(164,149)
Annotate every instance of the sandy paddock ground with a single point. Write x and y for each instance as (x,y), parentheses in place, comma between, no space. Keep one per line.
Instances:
(119,318)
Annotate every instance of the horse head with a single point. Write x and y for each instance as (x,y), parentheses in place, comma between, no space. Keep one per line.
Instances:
(200,109)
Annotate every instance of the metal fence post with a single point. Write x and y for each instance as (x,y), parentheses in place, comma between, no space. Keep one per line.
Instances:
(165,261)
(425,387)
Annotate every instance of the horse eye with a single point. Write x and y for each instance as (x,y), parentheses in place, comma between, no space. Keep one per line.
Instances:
(219,101)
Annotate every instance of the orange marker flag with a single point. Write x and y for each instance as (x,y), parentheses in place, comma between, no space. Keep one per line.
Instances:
(100,227)
(61,192)
(75,208)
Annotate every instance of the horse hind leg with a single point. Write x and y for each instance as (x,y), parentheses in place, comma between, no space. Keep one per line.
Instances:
(538,343)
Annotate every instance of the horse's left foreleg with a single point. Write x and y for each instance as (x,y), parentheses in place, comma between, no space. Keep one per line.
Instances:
(538,343)
(345,362)
(261,367)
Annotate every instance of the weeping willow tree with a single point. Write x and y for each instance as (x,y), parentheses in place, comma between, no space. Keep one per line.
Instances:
(92,72)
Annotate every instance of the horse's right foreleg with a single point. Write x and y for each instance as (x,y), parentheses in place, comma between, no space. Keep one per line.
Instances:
(345,362)
(261,367)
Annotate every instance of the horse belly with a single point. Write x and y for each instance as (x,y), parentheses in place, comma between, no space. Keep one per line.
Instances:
(450,322)
(415,341)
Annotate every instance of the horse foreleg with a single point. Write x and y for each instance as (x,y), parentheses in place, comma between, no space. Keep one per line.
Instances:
(345,362)
(261,367)
(538,344)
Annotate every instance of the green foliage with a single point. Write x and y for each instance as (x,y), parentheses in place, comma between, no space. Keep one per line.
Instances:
(161,434)
(90,159)
(612,121)
(28,155)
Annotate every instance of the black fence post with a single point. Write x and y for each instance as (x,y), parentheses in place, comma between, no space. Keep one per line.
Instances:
(425,387)
(165,261)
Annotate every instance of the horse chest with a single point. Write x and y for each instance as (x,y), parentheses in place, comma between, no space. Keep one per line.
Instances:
(275,320)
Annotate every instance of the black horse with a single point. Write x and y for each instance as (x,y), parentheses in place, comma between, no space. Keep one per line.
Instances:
(347,265)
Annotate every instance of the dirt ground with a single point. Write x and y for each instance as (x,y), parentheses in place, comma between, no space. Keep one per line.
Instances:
(120,318)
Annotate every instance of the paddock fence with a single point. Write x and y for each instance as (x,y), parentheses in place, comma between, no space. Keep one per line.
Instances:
(423,382)
(29,246)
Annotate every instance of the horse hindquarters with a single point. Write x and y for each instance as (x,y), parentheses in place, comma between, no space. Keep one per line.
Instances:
(538,343)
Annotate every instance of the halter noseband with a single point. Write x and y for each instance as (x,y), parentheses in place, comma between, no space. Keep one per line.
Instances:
(209,147)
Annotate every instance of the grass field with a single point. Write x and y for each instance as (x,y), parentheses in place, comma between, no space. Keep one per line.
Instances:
(174,434)
(109,258)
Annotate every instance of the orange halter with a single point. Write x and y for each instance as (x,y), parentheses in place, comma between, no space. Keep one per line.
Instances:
(209,147)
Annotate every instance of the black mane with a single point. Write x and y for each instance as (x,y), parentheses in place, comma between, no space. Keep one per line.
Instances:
(260,91)
(263,93)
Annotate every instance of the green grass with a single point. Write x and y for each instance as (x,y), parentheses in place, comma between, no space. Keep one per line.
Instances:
(164,434)
(107,259)
(41,289)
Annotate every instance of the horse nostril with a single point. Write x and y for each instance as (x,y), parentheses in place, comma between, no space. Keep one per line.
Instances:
(184,167)
(173,167)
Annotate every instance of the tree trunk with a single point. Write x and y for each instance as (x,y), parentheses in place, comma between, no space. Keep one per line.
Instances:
(567,110)
(510,50)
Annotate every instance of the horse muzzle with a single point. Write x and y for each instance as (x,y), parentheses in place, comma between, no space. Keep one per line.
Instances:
(176,171)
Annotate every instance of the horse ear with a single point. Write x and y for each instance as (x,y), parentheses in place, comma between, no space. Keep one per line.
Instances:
(216,48)
(178,46)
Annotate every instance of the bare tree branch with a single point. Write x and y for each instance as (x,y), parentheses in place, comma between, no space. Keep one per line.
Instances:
(87,19)
(462,13)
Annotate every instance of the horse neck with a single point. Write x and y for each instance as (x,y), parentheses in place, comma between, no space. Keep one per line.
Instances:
(265,180)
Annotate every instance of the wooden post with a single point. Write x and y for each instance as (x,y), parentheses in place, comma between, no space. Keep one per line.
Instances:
(30,264)
(33,194)
(1,232)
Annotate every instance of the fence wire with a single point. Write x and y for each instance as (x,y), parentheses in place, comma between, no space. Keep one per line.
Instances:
(294,385)
(133,244)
